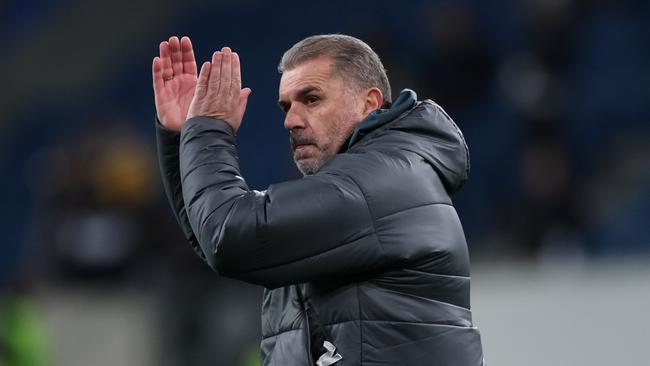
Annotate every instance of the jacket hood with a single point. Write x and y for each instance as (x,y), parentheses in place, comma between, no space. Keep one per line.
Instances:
(423,128)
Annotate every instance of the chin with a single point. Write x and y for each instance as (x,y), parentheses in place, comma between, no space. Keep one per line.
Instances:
(308,166)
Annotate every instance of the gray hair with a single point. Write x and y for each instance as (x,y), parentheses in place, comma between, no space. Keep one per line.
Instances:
(353,59)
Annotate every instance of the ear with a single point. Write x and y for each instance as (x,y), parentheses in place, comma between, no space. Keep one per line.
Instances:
(373,99)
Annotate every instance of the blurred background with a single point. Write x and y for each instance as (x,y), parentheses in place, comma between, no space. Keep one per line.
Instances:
(552,96)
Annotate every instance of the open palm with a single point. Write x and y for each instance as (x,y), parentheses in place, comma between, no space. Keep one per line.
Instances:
(174,80)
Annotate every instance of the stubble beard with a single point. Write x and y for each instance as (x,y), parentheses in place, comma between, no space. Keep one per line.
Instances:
(339,133)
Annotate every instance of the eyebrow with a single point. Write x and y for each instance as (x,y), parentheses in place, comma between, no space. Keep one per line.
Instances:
(299,95)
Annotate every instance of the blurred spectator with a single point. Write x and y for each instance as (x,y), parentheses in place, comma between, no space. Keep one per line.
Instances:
(94,191)
(453,65)
(545,221)
(550,25)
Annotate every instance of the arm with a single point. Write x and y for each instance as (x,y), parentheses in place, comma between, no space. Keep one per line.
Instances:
(168,143)
(174,77)
(175,83)
(294,232)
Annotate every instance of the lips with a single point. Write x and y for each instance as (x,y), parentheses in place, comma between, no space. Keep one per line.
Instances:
(300,143)
(302,151)
(301,147)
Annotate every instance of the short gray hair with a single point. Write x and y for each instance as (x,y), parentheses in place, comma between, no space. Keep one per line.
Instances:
(353,59)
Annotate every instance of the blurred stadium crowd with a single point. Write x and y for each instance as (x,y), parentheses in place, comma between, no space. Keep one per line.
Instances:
(552,96)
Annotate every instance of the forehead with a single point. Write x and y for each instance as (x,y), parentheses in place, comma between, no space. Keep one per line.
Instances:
(316,72)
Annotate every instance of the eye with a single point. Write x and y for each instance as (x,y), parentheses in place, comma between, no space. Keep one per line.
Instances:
(311,99)
(284,107)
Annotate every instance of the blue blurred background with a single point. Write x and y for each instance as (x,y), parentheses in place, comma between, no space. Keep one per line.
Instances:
(552,96)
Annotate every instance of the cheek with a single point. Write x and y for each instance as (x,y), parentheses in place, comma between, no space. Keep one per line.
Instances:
(322,123)
(331,125)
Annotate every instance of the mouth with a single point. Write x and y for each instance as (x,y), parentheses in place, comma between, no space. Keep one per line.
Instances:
(303,151)
(301,147)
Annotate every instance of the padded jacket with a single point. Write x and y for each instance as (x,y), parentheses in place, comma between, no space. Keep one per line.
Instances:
(363,263)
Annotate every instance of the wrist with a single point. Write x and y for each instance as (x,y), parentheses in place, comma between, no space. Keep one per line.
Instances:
(209,122)
(166,128)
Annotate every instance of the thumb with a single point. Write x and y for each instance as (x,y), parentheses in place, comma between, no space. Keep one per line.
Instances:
(243,100)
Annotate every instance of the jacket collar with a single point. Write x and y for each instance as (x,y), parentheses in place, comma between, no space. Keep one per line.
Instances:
(405,101)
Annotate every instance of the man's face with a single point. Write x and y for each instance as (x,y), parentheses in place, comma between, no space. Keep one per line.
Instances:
(320,112)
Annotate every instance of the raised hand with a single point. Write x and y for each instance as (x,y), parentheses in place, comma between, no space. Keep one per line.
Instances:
(218,90)
(174,81)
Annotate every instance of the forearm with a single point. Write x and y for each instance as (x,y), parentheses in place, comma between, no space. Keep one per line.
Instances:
(296,231)
(210,179)
(168,143)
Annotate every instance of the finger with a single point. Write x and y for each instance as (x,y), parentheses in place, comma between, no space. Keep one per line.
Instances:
(236,75)
(177,55)
(166,57)
(187,53)
(215,73)
(226,70)
(202,82)
(157,75)
(243,100)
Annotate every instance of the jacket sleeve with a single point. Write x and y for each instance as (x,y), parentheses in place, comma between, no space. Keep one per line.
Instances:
(168,143)
(304,230)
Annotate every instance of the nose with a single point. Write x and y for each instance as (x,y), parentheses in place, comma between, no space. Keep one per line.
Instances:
(294,119)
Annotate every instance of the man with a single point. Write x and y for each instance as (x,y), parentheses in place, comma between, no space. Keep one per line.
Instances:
(364,260)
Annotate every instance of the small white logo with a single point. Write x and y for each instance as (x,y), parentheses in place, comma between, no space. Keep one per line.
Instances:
(330,357)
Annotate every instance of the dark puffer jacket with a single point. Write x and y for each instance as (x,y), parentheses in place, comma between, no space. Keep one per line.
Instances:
(367,254)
